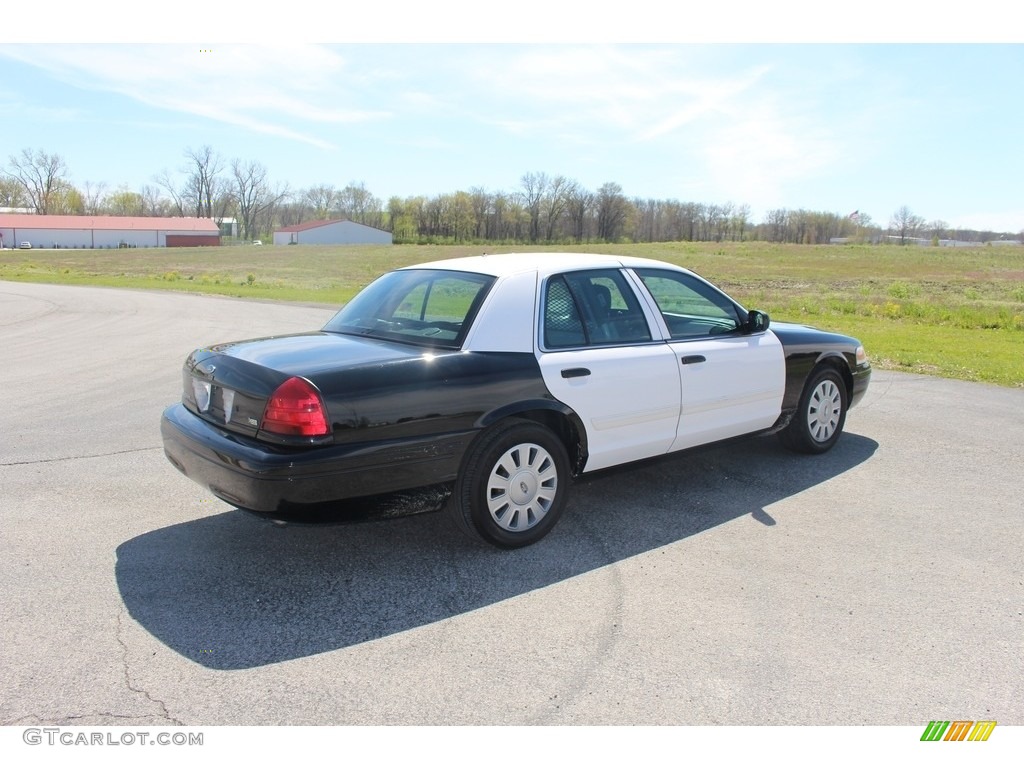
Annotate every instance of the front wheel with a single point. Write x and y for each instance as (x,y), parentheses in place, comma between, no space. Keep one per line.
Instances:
(513,486)
(820,416)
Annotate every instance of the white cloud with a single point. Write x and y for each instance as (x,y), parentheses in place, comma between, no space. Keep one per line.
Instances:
(265,89)
(604,93)
(762,152)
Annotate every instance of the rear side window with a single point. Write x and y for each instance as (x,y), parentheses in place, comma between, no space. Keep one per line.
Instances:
(595,307)
(562,324)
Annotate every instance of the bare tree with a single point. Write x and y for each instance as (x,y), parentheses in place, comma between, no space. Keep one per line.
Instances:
(578,208)
(202,187)
(154,204)
(740,221)
(937,230)
(321,199)
(40,176)
(554,204)
(482,210)
(535,187)
(204,167)
(612,212)
(252,194)
(92,196)
(905,224)
(177,201)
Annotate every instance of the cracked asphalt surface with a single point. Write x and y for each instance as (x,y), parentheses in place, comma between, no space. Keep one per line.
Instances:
(879,584)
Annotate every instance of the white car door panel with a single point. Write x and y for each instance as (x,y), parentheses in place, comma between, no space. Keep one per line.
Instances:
(732,380)
(628,400)
(730,386)
(620,380)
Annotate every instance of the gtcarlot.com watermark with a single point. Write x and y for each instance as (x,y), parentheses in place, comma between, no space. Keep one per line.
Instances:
(73,737)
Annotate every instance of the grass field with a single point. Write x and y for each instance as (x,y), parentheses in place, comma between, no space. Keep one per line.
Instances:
(954,312)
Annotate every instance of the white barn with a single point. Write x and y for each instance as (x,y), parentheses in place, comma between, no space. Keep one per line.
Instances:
(44,231)
(331,232)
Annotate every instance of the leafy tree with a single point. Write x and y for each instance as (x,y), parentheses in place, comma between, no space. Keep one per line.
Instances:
(503,216)
(357,204)
(482,212)
(12,193)
(402,220)
(124,202)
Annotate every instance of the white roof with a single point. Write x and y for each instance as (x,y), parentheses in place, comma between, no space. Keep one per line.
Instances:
(502,264)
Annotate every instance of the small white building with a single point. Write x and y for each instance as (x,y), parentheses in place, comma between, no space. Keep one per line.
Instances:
(332,232)
(44,231)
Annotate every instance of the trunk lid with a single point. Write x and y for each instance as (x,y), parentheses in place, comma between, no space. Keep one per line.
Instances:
(229,384)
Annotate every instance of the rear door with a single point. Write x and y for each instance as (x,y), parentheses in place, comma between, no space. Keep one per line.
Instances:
(599,355)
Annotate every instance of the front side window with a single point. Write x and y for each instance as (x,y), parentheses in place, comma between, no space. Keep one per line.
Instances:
(691,308)
(595,307)
(431,307)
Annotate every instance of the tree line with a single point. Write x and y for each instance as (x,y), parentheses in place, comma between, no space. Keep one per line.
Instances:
(544,209)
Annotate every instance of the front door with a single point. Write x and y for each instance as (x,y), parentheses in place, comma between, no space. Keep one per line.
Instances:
(732,381)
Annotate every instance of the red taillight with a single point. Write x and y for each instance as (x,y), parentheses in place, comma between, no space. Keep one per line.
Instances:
(295,409)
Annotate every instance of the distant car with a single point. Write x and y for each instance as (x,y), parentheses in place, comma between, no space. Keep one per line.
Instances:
(257,242)
(503,376)
(25,244)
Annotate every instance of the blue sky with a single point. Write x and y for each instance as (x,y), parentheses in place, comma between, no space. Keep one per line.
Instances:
(836,126)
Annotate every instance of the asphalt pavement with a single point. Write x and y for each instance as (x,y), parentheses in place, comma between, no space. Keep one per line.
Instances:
(879,584)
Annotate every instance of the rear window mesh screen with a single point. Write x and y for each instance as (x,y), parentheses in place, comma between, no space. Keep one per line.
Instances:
(562,325)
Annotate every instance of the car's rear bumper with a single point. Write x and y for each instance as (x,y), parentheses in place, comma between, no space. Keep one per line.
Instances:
(264,478)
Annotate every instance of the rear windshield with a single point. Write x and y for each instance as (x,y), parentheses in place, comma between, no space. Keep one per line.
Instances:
(429,307)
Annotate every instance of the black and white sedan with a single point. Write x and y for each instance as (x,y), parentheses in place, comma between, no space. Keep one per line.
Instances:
(502,377)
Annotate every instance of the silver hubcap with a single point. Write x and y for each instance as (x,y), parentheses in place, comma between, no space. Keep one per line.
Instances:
(824,410)
(522,487)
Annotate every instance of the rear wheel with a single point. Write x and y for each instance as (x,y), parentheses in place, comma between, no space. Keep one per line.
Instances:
(820,416)
(513,486)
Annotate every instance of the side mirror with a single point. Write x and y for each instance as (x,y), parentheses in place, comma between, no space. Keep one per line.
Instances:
(757,321)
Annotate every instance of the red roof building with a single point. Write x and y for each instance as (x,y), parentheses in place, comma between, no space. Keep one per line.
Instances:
(105,231)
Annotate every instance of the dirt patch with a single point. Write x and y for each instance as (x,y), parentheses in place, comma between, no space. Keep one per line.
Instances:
(999,275)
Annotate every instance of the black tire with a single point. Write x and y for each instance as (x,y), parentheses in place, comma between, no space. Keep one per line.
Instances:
(513,485)
(821,414)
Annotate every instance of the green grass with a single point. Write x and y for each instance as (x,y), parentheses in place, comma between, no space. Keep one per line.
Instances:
(955,312)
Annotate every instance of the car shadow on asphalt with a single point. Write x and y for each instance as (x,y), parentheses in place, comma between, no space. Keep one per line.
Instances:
(232,591)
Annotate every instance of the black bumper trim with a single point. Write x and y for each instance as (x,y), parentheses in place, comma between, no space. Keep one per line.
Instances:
(266,478)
